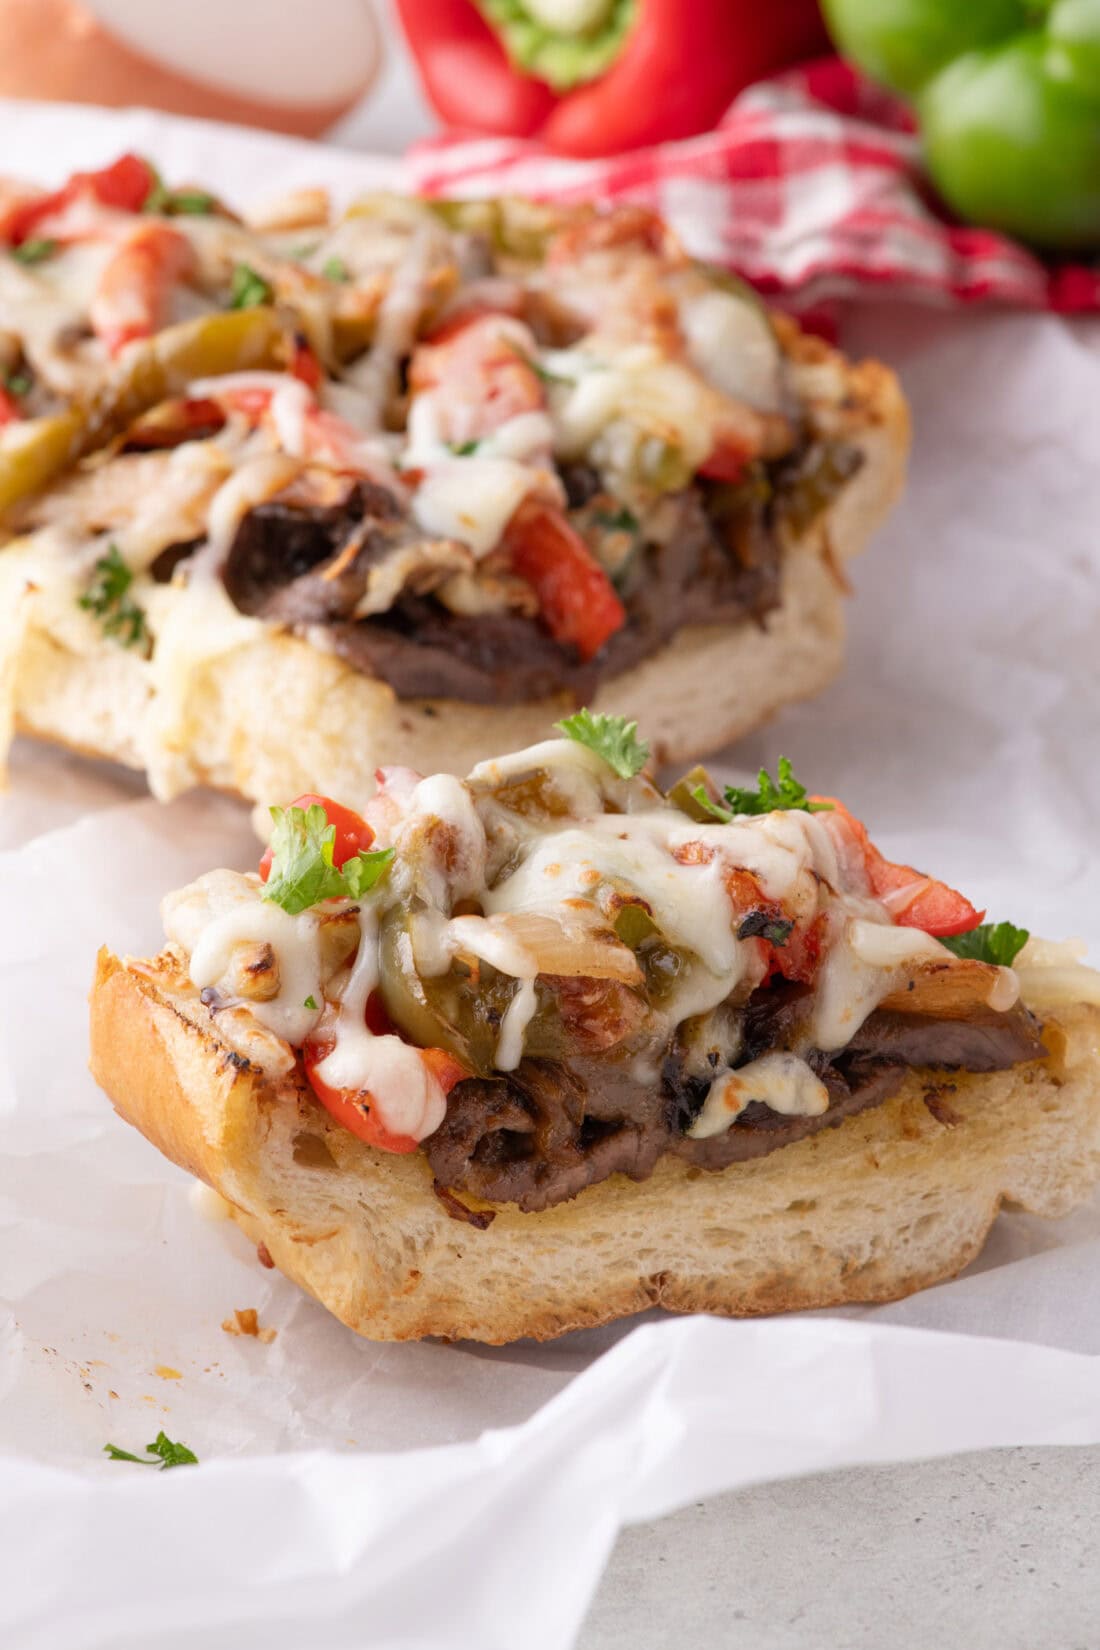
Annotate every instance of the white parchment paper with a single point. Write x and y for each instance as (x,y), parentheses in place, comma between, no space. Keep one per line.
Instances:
(436,1496)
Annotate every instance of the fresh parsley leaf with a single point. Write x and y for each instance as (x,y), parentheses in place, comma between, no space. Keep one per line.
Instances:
(999,943)
(543,374)
(18,383)
(310,1002)
(34,251)
(612,737)
(247,288)
(463,449)
(117,1454)
(784,793)
(172,1455)
(766,926)
(618,521)
(335,269)
(157,198)
(163,1452)
(191,203)
(304,249)
(302,869)
(107,598)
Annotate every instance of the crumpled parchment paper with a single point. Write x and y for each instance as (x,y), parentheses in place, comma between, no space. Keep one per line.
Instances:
(435,1496)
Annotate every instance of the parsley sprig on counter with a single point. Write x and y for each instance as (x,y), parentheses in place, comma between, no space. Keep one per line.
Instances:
(612,737)
(782,794)
(990,942)
(303,871)
(108,599)
(161,1453)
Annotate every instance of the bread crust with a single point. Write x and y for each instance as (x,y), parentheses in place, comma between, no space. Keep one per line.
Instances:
(893,1200)
(275,716)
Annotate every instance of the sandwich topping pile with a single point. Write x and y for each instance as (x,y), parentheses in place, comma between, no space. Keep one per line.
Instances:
(483,451)
(552,972)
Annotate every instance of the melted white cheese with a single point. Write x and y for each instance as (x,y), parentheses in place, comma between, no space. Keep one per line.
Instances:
(730,341)
(407,1097)
(781,1080)
(569,875)
(513,1027)
(472,497)
(602,405)
(860,968)
(193,627)
(296,944)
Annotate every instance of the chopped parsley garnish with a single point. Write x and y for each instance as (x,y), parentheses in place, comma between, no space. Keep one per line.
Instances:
(770,796)
(107,597)
(766,926)
(999,943)
(612,737)
(302,868)
(247,288)
(161,1453)
(310,1002)
(34,251)
(157,198)
(335,269)
(463,449)
(618,521)
(304,249)
(543,374)
(192,203)
(18,383)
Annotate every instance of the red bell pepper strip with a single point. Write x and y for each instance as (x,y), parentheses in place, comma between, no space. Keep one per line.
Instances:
(125,186)
(356,1111)
(10,410)
(930,905)
(576,598)
(679,68)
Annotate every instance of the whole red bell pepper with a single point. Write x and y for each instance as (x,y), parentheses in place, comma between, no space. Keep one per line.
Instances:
(675,65)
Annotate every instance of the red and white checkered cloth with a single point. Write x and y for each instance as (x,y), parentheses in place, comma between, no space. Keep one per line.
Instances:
(811,188)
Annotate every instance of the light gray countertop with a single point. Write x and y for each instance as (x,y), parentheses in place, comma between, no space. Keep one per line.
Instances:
(996,1551)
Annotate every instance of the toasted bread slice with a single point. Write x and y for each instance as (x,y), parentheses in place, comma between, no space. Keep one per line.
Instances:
(268,714)
(891,1201)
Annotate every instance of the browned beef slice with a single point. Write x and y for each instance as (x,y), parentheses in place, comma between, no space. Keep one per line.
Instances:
(543,1133)
(525,1138)
(281,563)
(306,564)
(985,1041)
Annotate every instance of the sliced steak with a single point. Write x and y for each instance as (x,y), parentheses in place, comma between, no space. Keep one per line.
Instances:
(308,565)
(301,563)
(985,1041)
(424,651)
(548,1130)
(759,1130)
(526,1138)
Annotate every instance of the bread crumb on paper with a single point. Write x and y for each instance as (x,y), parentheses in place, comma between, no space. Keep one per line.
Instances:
(246,1321)
(167,1373)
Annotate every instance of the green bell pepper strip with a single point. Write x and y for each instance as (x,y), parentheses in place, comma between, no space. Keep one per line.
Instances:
(34,453)
(1007,93)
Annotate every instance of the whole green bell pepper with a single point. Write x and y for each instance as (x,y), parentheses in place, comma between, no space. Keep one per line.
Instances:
(1008,97)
